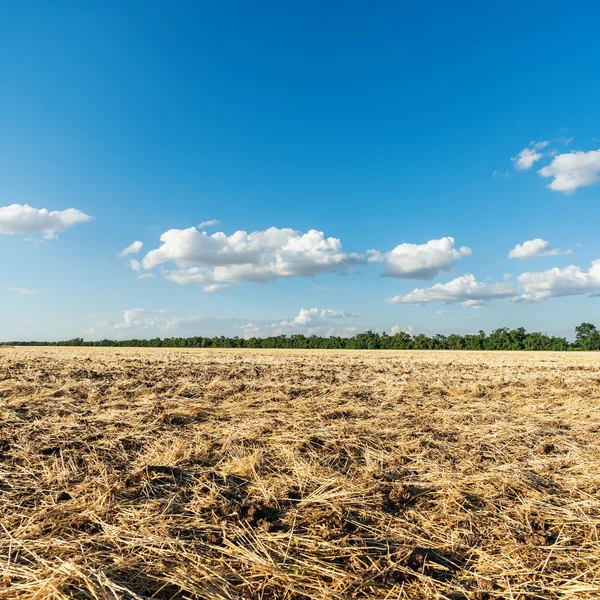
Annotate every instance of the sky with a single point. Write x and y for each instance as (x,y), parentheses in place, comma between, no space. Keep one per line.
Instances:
(257,168)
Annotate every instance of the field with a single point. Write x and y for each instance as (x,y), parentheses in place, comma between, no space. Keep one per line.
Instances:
(145,473)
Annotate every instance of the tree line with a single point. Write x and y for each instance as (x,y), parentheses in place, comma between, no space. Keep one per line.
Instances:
(587,337)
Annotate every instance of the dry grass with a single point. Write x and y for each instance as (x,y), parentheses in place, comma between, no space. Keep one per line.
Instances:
(241,474)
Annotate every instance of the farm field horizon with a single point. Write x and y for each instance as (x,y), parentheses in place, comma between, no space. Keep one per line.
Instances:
(299,302)
(228,473)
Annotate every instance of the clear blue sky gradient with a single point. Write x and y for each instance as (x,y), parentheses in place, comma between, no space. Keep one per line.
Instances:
(377,123)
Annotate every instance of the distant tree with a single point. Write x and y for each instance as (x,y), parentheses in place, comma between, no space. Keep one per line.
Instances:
(455,342)
(587,337)
(475,342)
(421,342)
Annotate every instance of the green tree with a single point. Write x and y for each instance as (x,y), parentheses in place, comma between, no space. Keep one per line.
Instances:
(587,337)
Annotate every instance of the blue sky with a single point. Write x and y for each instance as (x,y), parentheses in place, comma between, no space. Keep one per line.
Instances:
(378,126)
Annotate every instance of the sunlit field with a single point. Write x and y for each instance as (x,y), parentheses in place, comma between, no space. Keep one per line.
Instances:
(142,473)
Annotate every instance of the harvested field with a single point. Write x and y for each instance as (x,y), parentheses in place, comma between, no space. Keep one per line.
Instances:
(129,473)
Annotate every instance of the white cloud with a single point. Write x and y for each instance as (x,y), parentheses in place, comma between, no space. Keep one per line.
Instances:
(209,223)
(136,318)
(140,322)
(24,219)
(308,321)
(420,261)
(534,248)
(252,330)
(397,329)
(218,260)
(216,287)
(147,276)
(34,240)
(131,249)
(568,281)
(473,303)
(529,155)
(502,174)
(307,316)
(140,318)
(136,265)
(466,290)
(573,170)
(24,291)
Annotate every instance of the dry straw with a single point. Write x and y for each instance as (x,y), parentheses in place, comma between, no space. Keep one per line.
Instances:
(253,474)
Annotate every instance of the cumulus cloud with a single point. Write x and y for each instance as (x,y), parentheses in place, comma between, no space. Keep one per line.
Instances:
(310,321)
(131,249)
(24,291)
(141,320)
(145,323)
(420,261)
(307,316)
(466,290)
(24,219)
(529,155)
(534,248)
(135,317)
(568,281)
(573,170)
(209,223)
(147,276)
(397,329)
(218,260)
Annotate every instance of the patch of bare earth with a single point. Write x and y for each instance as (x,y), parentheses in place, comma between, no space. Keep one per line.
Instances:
(256,474)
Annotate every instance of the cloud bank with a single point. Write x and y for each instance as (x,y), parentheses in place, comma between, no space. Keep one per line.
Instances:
(147,323)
